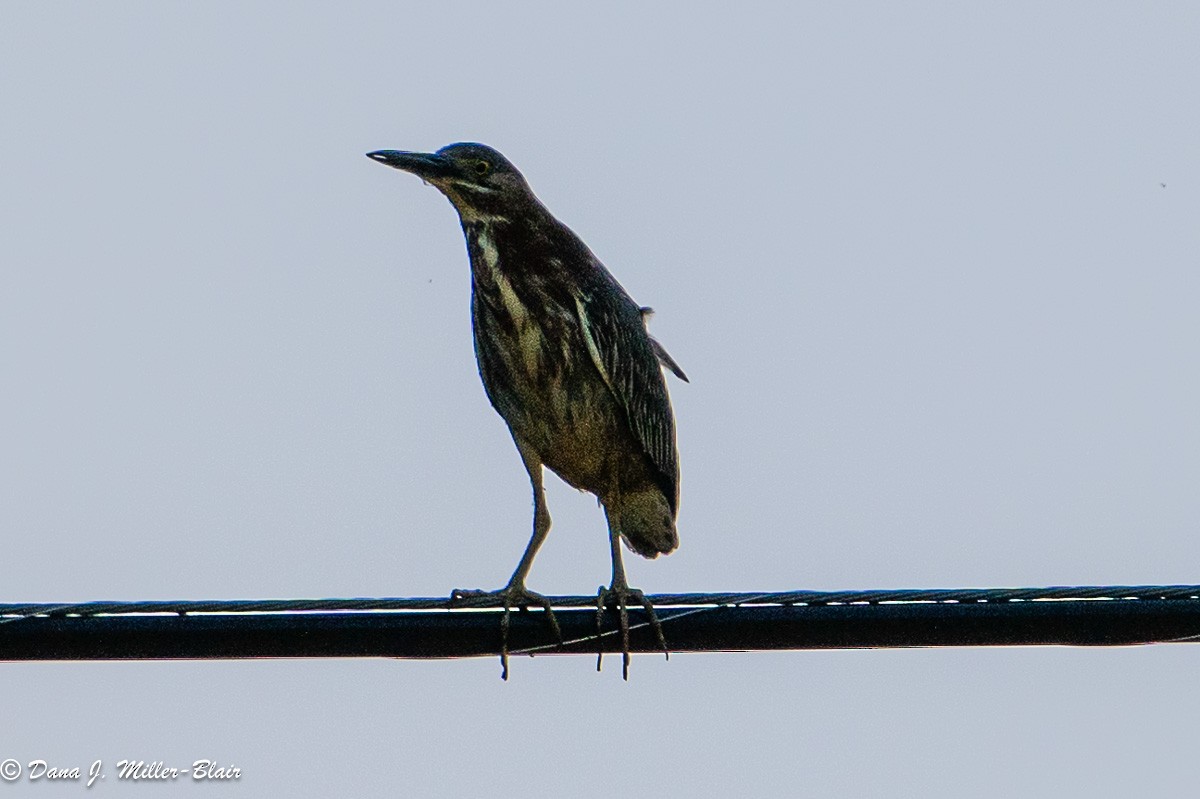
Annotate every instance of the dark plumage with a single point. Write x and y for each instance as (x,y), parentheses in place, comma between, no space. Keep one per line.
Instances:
(565,359)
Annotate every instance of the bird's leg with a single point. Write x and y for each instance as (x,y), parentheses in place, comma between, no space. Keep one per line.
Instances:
(622,593)
(515,593)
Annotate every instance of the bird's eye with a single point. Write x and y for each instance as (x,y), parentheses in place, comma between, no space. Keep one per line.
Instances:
(482,167)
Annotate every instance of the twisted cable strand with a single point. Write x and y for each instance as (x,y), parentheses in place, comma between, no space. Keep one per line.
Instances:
(10,612)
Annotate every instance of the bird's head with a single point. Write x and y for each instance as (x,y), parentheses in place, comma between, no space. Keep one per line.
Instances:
(480,182)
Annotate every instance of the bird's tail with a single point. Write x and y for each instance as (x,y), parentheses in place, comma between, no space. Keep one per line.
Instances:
(646,522)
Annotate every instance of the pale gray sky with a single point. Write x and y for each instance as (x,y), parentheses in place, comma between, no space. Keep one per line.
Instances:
(938,313)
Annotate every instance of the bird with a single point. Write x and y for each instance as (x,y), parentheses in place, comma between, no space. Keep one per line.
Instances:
(567,361)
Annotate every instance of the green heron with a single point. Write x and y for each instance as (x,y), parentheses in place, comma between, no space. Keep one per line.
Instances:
(567,361)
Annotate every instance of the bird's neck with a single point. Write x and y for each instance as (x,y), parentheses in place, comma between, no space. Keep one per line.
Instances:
(483,248)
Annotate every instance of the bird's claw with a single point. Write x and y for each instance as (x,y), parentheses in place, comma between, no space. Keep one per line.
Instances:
(512,595)
(622,594)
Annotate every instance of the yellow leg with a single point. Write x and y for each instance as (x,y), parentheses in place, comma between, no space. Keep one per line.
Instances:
(622,593)
(515,593)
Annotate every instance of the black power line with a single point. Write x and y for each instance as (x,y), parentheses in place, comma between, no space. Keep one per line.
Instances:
(439,628)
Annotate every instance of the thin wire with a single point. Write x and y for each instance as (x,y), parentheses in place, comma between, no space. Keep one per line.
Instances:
(699,601)
(4,619)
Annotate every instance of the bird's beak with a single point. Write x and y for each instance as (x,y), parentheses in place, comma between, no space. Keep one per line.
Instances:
(426,166)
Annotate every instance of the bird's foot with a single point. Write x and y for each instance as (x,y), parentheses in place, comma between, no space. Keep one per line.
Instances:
(511,595)
(621,595)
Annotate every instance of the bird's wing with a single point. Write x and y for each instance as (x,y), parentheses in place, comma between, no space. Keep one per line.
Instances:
(660,351)
(628,361)
(666,360)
